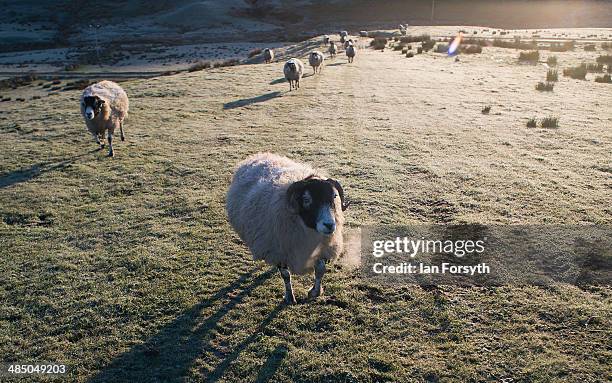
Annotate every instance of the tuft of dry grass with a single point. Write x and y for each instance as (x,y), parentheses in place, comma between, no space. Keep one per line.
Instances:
(578,72)
(550,122)
(545,86)
(532,123)
(378,43)
(562,47)
(590,48)
(530,57)
(552,75)
(409,54)
(594,67)
(486,109)
(200,65)
(604,59)
(551,60)
(605,79)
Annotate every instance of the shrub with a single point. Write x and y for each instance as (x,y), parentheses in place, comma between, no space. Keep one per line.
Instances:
(532,123)
(486,109)
(606,46)
(550,122)
(545,86)
(562,47)
(604,59)
(579,72)
(605,79)
(471,49)
(398,47)
(441,48)
(378,43)
(409,54)
(415,39)
(419,50)
(594,68)
(532,56)
(552,75)
(200,65)
(552,60)
(516,44)
(428,45)
(254,52)
(228,62)
(589,48)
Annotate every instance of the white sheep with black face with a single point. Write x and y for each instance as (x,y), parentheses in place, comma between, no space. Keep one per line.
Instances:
(315,59)
(293,70)
(289,215)
(104,106)
(326,39)
(333,50)
(268,55)
(350,52)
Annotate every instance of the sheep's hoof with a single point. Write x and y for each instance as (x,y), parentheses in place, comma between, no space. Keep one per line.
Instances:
(314,294)
(111,154)
(101,146)
(122,138)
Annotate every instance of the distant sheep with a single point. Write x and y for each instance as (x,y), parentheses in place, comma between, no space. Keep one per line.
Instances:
(343,34)
(350,53)
(343,39)
(326,39)
(315,59)
(104,106)
(363,33)
(268,55)
(333,50)
(289,215)
(294,70)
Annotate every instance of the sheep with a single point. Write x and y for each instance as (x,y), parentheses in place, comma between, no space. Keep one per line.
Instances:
(363,33)
(289,215)
(343,34)
(268,55)
(104,106)
(342,39)
(347,43)
(326,39)
(332,49)
(294,70)
(350,53)
(315,59)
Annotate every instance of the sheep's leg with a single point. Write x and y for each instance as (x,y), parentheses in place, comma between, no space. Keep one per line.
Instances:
(317,289)
(95,136)
(290,85)
(121,130)
(289,297)
(111,153)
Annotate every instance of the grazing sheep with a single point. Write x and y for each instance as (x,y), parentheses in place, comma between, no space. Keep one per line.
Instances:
(268,55)
(104,106)
(350,53)
(294,70)
(343,34)
(363,33)
(289,215)
(326,39)
(332,49)
(315,59)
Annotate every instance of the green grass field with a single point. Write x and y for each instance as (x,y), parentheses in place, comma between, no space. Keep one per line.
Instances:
(126,269)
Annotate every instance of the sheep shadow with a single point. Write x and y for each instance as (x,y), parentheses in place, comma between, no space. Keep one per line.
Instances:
(169,355)
(253,100)
(36,170)
(336,64)
(278,81)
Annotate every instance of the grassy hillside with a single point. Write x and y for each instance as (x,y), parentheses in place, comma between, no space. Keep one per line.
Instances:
(125,268)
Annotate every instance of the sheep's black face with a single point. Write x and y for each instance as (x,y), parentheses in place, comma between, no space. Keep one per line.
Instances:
(315,201)
(92,105)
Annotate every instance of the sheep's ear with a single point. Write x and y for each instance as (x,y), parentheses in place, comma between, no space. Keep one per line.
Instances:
(294,193)
(338,187)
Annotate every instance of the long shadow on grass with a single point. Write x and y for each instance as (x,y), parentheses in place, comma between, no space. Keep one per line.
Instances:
(271,365)
(169,355)
(24,175)
(253,100)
